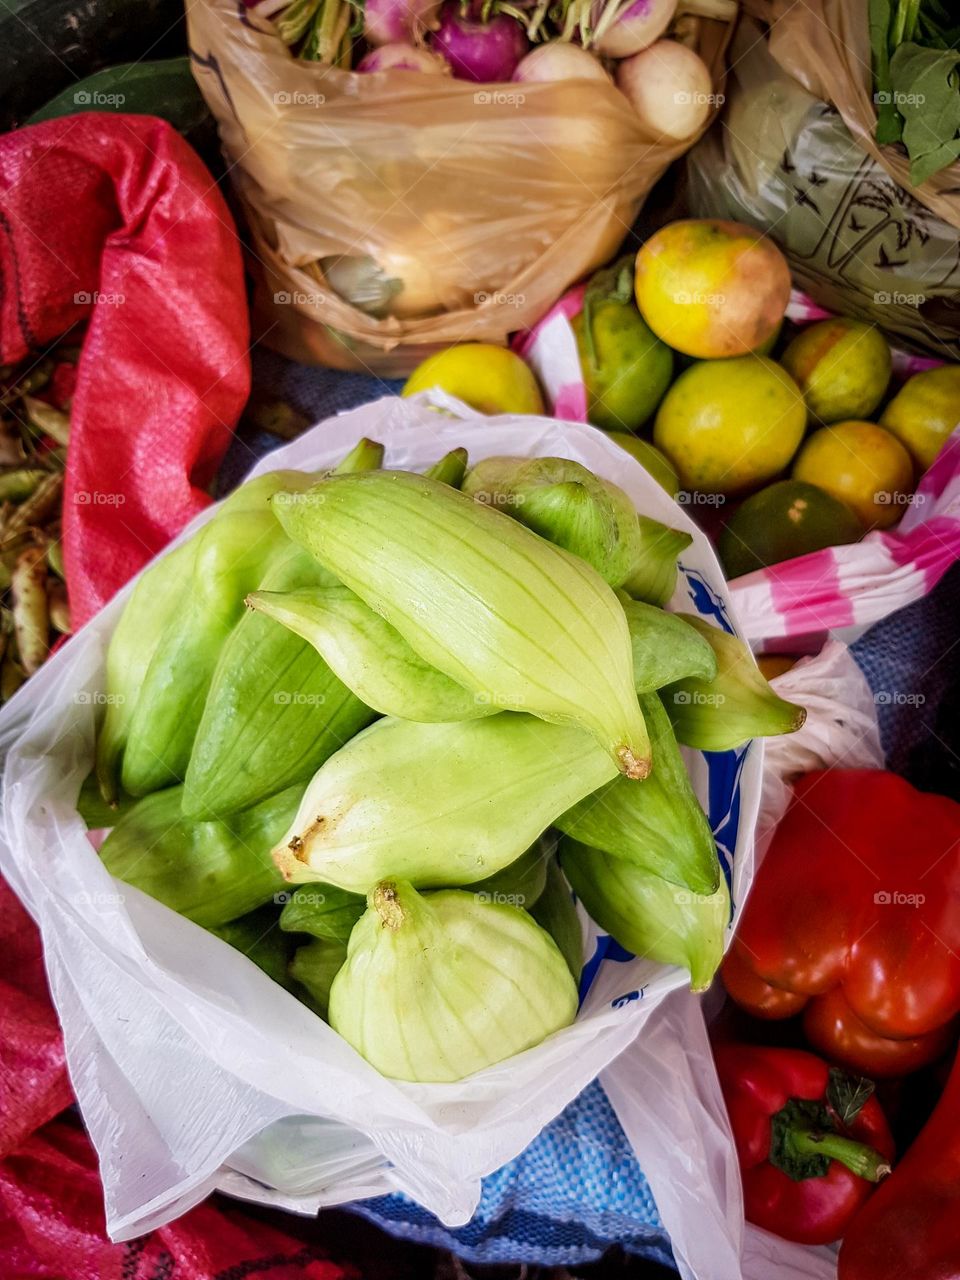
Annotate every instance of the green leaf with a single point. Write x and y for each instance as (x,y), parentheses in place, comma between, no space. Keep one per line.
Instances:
(847,1095)
(165,88)
(889,123)
(926,91)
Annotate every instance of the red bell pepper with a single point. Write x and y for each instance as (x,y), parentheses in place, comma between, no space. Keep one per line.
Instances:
(811,1141)
(854,918)
(911,1229)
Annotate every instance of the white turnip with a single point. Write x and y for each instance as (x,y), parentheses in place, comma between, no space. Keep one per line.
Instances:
(622,28)
(559,60)
(670,89)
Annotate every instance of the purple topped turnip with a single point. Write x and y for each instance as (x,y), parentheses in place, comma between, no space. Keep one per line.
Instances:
(485,52)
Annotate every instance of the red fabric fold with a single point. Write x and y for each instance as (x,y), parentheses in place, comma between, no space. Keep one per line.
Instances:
(51,1227)
(115,220)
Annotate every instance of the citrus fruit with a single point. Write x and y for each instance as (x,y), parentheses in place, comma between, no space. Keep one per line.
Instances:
(924,412)
(842,366)
(651,458)
(712,289)
(728,425)
(861,464)
(628,369)
(786,519)
(490,379)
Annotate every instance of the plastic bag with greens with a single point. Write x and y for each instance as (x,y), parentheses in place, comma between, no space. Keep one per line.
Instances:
(858,242)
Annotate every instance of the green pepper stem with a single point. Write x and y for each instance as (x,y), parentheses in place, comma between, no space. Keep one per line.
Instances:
(859,1158)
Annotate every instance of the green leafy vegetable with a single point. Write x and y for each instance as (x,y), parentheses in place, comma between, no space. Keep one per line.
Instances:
(889,122)
(916,50)
(926,92)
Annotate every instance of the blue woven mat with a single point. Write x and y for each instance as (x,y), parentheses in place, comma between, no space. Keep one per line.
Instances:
(578,1189)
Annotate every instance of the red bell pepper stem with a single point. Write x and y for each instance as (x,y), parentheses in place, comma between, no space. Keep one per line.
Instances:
(811,1141)
(864,1161)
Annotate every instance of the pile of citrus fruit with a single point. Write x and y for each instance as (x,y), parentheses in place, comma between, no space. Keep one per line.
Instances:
(801,441)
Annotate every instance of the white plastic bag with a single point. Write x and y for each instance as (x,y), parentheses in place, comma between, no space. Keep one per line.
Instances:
(191,1067)
(684,1144)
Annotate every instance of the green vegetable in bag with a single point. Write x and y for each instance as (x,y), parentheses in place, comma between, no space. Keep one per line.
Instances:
(314,967)
(156,598)
(654,575)
(658,826)
(450,469)
(438,804)
(323,911)
(441,985)
(522,883)
(556,911)
(481,598)
(210,872)
(368,655)
(566,504)
(665,647)
(648,915)
(179,612)
(275,710)
(733,707)
(230,558)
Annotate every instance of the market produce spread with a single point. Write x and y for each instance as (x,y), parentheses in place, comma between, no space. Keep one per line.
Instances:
(431,748)
(432,673)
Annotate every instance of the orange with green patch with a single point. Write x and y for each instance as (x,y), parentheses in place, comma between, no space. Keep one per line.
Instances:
(712,289)
(842,366)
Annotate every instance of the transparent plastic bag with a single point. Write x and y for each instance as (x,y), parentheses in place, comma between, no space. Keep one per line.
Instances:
(483,201)
(193,1069)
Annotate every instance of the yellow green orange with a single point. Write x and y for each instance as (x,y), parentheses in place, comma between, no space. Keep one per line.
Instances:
(710,288)
(729,425)
(842,366)
(862,465)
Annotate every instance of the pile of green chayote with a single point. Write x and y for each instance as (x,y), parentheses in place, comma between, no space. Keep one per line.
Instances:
(417,698)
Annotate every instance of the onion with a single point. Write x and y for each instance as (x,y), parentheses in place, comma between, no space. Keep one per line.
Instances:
(559,60)
(636,28)
(389,21)
(485,52)
(670,89)
(403,57)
